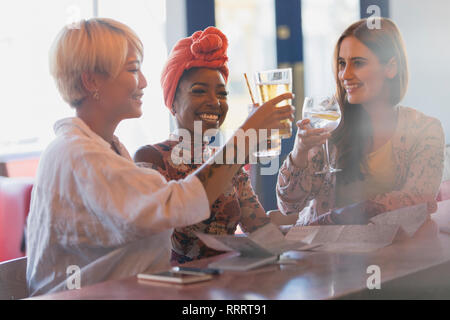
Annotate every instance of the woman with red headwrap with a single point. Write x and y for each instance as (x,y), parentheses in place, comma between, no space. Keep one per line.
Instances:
(194,84)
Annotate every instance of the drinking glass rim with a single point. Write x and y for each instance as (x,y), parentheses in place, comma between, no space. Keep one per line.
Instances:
(276,69)
(288,79)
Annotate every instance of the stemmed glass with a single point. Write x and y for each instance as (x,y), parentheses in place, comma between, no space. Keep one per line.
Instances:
(323,112)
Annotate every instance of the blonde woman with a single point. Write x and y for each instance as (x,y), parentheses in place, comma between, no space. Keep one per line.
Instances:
(391,156)
(92,208)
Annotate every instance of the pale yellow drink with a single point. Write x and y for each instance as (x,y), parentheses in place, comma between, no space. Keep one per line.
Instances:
(272,83)
(269,91)
(324,119)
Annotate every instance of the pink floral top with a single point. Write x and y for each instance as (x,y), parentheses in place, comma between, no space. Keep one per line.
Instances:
(418,148)
(237,205)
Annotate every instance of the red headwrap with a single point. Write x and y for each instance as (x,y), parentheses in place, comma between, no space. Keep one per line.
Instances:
(205,49)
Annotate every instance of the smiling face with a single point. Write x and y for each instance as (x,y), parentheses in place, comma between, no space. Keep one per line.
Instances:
(122,95)
(201,96)
(361,74)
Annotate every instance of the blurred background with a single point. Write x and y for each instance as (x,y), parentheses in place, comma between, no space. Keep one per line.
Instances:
(263,34)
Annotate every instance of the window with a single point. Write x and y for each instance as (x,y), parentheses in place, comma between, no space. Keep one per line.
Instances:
(147,18)
(250,28)
(30,101)
(323,21)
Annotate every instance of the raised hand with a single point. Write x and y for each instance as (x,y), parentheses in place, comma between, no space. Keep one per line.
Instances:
(308,142)
(268,115)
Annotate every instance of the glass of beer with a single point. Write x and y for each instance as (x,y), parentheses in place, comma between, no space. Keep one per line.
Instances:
(272,83)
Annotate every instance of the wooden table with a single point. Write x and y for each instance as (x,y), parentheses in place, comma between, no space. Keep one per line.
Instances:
(413,268)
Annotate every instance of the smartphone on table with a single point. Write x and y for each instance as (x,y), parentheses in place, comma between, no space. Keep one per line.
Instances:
(172,276)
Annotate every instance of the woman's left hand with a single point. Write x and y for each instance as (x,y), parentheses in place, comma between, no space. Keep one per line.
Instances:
(356,213)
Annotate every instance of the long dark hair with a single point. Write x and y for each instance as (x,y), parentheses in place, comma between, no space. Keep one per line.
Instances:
(354,136)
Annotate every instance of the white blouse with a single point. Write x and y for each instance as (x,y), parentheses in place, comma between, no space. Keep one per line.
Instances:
(96,210)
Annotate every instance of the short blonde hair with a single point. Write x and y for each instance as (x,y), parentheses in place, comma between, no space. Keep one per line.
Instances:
(93,45)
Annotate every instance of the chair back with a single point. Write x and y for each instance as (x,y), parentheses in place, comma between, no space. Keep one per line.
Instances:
(15,195)
(13,279)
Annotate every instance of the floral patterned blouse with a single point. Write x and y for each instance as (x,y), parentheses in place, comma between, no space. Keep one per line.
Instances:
(418,149)
(237,205)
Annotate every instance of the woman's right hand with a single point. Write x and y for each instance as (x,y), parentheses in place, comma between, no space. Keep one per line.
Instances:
(268,115)
(216,174)
(307,143)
